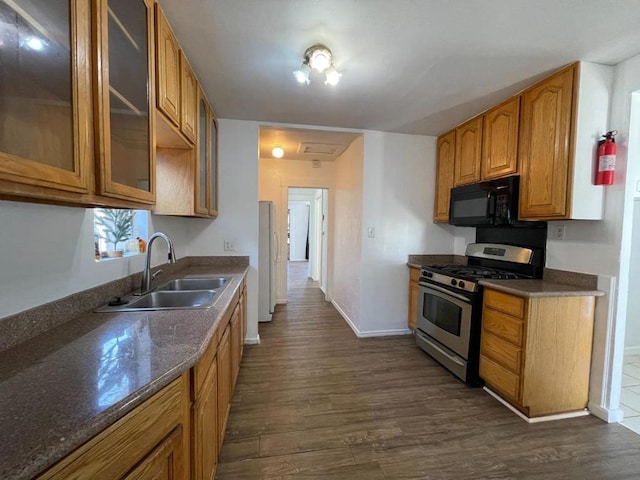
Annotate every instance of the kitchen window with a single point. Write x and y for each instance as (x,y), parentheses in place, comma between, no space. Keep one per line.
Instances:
(119,232)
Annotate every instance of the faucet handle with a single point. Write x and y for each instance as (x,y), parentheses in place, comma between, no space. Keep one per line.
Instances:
(155,274)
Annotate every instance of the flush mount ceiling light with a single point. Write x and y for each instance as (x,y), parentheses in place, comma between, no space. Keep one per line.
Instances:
(318,58)
(277,152)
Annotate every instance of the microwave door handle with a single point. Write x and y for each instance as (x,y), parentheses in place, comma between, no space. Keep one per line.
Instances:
(491,205)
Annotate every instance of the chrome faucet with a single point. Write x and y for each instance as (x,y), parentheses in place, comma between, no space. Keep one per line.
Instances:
(145,286)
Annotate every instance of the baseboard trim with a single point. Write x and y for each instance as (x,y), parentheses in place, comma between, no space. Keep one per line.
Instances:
(612,415)
(545,418)
(345,317)
(252,341)
(369,333)
(632,350)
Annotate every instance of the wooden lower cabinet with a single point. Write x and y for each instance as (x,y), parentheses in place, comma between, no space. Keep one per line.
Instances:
(205,428)
(148,439)
(236,345)
(414,275)
(536,352)
(224,383)
(166,462)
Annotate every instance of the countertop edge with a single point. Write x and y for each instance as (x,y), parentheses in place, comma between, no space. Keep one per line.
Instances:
(554,289)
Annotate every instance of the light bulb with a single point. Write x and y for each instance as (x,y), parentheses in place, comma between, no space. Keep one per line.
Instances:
(320,60)
(34,43)
(333,76)
(302,74)
(277,152)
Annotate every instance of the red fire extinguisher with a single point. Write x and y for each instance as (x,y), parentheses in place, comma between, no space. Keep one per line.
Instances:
(606,159)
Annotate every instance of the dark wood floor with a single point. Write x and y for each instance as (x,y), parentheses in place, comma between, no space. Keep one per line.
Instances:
(315,402)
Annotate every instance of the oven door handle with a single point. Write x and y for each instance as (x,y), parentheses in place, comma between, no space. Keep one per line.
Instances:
(455,360)
(444,290)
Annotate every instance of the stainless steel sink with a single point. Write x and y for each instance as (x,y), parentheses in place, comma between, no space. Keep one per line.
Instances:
(213,283)
(165,300)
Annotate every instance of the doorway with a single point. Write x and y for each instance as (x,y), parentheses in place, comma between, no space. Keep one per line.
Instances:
(307,232)
(630,393)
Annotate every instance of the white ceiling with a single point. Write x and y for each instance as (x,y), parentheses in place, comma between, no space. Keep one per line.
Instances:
(410,66)
(304,144)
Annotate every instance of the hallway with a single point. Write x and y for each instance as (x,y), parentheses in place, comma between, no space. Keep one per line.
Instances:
(314,401)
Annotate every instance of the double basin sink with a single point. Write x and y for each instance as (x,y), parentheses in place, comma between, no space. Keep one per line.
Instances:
(182,293)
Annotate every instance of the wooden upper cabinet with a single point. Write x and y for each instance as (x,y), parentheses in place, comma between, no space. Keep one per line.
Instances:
(468,152)
(213,164)
(202,158)
(544,147)
(46,129)
(168,69)
(189,100)
(445,157)
(125,119)
(500,140)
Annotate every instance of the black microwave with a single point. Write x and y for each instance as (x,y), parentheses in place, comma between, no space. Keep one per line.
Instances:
(486,203)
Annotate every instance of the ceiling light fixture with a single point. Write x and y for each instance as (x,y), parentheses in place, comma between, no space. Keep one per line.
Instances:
(277,152)
(318,58)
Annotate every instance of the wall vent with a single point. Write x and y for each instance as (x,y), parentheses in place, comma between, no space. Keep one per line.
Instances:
(324,149)
(316,163)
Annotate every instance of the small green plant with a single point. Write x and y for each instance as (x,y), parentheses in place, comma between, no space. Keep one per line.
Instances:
(116,224)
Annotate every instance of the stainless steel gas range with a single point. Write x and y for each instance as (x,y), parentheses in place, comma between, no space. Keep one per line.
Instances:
(450,302)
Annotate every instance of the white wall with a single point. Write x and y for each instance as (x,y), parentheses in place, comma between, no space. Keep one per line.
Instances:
(398,195)
(47,253)
(238,207)
(346,214)
(632,333)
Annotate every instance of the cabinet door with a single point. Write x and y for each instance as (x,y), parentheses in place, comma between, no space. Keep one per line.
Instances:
(205,428)
(468,152)
(189,103)
(243,318)
(236,345)
(500,140)
(544,148)
(126,89)
(167,69)
(165,462)
(45,93)
(202,169)
(224,383)
(444,175)
(213,165)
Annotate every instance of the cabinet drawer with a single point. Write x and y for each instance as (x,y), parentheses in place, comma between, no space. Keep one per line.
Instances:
(504,353)
(504,303)
(504,326)
(499,378)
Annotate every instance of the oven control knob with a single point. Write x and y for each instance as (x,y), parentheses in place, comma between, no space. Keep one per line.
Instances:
(429,274)
(461,284)
(454,282)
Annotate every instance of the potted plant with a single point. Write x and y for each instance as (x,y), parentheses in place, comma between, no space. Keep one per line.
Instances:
(117,226)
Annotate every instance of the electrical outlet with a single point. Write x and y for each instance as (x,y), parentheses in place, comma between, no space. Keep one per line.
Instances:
(371,232)
(228,246)
(558,232)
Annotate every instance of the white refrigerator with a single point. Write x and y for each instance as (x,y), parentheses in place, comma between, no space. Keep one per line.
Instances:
(267,257)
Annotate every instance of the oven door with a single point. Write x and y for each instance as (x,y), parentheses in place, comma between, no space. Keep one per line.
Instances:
(445,316)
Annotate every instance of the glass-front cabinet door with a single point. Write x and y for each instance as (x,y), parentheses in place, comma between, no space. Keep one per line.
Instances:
(125,119)
(213,165)
(45,96)
(202,156)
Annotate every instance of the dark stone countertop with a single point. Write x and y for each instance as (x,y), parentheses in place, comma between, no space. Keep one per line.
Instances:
(539,288)
(62,387)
